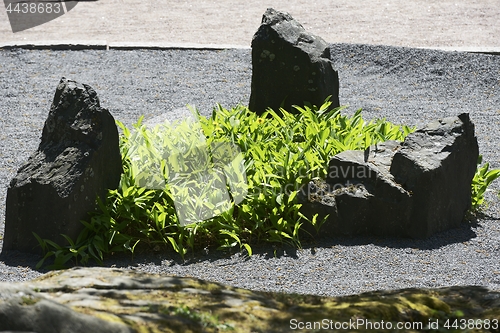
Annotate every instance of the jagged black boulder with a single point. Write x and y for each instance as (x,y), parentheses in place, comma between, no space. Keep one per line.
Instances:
(437,164)
(411,189)
(77,160)
(290,66)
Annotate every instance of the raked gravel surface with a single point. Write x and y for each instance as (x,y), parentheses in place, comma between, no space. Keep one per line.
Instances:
(403,85)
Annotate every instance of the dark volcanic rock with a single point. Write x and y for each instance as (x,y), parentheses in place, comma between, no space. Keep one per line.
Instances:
(290,66)
(410,189)
(437,164)
(78,159)
(359,194)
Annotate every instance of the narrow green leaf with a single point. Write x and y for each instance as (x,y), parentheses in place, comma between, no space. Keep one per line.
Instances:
(248,248)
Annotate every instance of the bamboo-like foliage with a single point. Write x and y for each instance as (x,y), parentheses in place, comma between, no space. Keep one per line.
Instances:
(251,189)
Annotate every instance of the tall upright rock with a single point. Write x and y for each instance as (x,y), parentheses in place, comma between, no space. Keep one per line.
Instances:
(437,164)
(77,160)
(290,66)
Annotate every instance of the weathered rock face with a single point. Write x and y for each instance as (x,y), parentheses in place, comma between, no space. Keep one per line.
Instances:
(437,164)
(117,300)
(290,66)
(78,159)
(23,311)
(410,189)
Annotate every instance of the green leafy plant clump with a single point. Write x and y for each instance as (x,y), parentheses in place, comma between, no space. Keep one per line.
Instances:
(166,200)
(480,183)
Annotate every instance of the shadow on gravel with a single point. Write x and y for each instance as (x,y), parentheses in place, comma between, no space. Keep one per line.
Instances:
(15,258)
(265,251)
(270,251)
(461,234)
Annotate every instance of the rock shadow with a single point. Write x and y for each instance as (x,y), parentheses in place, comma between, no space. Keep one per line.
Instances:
(463,233)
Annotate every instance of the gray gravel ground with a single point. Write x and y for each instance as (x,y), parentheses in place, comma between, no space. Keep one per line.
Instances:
(410,86)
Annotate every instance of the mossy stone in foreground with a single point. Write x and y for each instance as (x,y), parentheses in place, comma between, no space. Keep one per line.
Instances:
(132,301)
